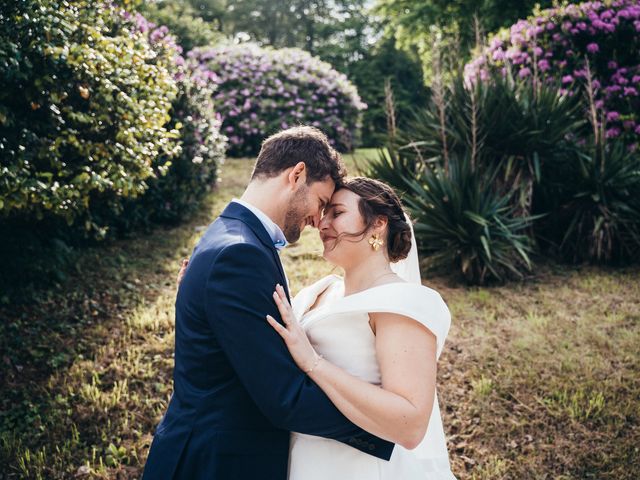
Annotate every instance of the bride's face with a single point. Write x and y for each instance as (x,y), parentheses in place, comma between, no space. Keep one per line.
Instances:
(342,220)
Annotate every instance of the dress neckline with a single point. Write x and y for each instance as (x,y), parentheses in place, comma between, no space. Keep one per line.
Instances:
(373,288)
(328,304)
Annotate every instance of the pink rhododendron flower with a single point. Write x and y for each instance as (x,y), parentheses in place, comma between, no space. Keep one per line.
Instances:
(560,38)
(297,89)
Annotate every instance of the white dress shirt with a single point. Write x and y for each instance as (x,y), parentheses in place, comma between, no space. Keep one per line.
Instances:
(272,228)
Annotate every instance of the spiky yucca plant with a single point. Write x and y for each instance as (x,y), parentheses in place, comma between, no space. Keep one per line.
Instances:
(594,200)
(466,168)
(393,168)
(514,125)
(463,222)
(594,195)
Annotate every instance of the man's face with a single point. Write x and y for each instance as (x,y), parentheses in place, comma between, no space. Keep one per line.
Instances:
(306,206)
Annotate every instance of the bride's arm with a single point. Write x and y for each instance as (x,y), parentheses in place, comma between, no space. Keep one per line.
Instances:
(399,410)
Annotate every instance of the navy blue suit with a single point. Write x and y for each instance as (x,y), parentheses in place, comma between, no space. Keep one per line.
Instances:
(237,392)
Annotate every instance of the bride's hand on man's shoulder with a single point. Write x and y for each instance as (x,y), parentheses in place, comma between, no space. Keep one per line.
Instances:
(183,269)
(292,333)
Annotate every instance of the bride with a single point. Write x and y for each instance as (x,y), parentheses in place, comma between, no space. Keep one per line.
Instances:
(370,341)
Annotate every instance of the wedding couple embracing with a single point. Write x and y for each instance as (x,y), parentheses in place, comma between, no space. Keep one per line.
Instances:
(338,383)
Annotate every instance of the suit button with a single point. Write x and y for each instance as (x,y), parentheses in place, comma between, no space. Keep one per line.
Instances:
(372,447)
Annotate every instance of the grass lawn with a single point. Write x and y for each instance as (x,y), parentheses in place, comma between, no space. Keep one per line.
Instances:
(538,380)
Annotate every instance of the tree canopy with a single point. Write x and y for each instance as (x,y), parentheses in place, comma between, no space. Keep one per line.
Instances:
(448,25)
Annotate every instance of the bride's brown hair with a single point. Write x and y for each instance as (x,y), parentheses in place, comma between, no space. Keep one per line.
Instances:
(379,199)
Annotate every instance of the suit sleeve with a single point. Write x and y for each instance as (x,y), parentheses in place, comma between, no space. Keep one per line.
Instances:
(238,297)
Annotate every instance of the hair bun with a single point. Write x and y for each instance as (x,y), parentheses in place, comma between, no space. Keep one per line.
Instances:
(400,240)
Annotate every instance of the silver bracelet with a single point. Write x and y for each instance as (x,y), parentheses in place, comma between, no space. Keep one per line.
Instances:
(318,358)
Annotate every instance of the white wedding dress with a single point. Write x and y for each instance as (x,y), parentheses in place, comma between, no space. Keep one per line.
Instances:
(339,329)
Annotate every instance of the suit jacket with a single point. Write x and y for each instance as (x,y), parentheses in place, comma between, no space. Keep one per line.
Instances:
(237,392)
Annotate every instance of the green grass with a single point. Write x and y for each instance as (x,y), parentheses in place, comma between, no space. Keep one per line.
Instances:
(538,380)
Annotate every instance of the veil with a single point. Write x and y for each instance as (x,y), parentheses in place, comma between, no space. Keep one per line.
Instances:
(409,268)
(432,450)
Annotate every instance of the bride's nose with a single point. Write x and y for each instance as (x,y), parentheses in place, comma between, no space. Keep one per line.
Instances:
(324,223)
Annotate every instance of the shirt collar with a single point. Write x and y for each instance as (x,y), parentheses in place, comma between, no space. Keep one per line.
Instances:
(272,228)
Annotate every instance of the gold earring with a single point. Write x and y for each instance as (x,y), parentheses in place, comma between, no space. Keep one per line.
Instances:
(376,242)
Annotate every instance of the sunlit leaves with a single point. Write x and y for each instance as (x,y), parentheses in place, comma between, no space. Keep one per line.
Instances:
(85,99)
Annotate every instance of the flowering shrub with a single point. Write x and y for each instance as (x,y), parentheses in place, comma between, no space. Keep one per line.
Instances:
(183,176)
(566,43)
(260,91)
(100,122)
(102,129)
(84,103)
(192,170)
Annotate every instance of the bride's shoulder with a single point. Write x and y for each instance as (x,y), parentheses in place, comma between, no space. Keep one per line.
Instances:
(402,284)
(408,293)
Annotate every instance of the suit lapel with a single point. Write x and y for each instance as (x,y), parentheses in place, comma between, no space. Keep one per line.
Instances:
(281,269)
(239,212)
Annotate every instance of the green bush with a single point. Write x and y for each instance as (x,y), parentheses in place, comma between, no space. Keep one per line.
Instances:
(84,107)
(183,22)
(174,192)
(594,202)
(172,197)
(132,99)
(386,62)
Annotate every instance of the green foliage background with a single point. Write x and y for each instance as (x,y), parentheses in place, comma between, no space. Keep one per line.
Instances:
(102,131)
(184,22)
(84,108)
(450,29)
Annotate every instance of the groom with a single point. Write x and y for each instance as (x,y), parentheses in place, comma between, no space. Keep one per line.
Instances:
(237,392)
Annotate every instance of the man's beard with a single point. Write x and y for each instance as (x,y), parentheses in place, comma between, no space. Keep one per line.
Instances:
(295,215)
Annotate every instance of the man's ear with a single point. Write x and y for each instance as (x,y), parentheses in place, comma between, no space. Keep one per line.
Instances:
(297,175)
